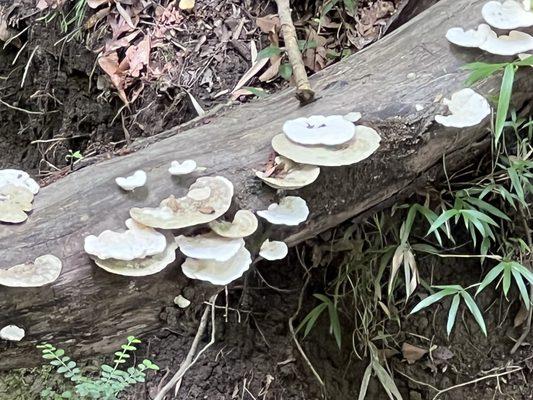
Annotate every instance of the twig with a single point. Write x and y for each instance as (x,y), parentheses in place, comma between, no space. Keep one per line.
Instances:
(304,93)
(21,109)
(28,66)
(189,361)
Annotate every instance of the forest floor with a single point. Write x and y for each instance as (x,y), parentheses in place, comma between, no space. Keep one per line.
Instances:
(59,100)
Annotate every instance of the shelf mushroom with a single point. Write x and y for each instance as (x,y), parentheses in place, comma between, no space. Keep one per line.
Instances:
(18,178)
(510,14)
(244,224)
(364,142)
(44,270)
(189,210)
(273,250)
(318,129)
(12,333)
(467,108)
(209,246)
(291,210)
(288,175)
(184,168)
(132,182)
(217,272)
(15,202)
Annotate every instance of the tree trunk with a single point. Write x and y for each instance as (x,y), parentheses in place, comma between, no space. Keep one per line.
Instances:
(90,310)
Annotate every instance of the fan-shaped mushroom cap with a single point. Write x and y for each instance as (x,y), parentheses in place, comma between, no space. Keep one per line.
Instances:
(216,272)
(15,201)
(289,175)
(353,116)
(209,246)
(179,213)
(44,270)
(184,168)
(12,333)
(471,37)
(364,143)
(244,224)
(132,182)
(138,241)
(510,14)
(274,250)
(317,129)
(141,266)
(18,178)
(291,210)
(467,108)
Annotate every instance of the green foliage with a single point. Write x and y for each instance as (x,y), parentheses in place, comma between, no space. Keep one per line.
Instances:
(269,51)
(384,377)
(311,318)
(112,380)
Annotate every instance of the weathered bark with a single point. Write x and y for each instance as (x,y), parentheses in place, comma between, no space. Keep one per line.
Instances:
(91,309)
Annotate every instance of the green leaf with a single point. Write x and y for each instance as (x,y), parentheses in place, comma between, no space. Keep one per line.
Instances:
(526,273)
(127,347)
(431,299)
(107,368)
(256,91)
(386,381)
(516,184)
(472,306)
(504,100)
(525,62)
(506,285)
(310,319)
(452,313)
(445,216)
(62,370)
(364,383)
(489,278)
(479,216)
(487,207)
(480,70)
(268,52)
(522,288)
(285,71)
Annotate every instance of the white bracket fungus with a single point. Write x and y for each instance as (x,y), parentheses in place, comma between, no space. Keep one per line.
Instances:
(132,182)
(179,213)
(18,178)
(15,202)
(12,333)
(364,143)
(209,246)
(510,14)
(181,301)
(289,175)
(486,39)
(274,250)
(353,117)
(291,210)
(184,168)
(244,224)
(44,270)
(216,272)
(138,241)
(141,266)
(467,108)
(317,129)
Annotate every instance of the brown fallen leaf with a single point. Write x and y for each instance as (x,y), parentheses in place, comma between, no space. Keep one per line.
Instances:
(521,316)
(137,57)
(110,65)
(268,23)
(186,4)
(254,69)
(97,3)
(412,353)
(272,71)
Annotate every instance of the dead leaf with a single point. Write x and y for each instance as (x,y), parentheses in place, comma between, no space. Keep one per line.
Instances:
(97,3)
(186,4)
(254,69)
(137,57)
(272,71)
(521,316)
(124,14)
(110,65)
(268,23)
(442,353)
(412,353)
(199,110)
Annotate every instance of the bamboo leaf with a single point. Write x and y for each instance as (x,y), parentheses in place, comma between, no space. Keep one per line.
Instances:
(431,299)
(452,313)
(522,288)
(504,100)
(472,306)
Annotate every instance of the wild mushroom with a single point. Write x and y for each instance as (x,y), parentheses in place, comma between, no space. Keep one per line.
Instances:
(44,270)
(291,210)
(141,266)
(179,213)
(132,182)
(486,39)
(15,202)
(184,168)
(467,108)
(317,129)
(274,250)
(209,246)
(138,241)
(289,175)
(510,14)
(353,117)
(364,143)
(18,178)
(244,224)
(12,333)
(216,272)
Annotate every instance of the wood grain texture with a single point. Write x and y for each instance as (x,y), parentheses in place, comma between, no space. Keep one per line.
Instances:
(91,308)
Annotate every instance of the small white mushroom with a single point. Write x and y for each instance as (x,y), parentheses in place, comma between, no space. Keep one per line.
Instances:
(181,301)
(132,182)
(364,143)
(12,333)
(184,168)
(216,272)
(510,14)
(44,270)
(209,246)
(353,116)
(470,38)
(18,178)
(289,175)
(291,210)
(138,241)
(274,250)
(467,108)
(179,213)
(318,129)
(244,224)
(15,202)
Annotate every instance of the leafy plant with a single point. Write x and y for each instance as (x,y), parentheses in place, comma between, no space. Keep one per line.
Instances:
(112,380)
(310,319)
(382,374)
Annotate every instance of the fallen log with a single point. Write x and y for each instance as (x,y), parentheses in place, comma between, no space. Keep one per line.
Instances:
(90,311)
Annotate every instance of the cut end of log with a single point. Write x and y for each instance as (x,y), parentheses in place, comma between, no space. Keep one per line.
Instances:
(305,96)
